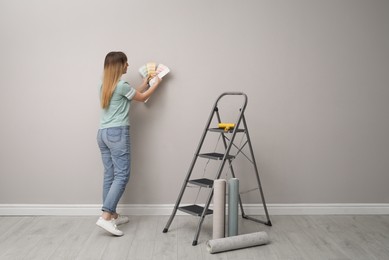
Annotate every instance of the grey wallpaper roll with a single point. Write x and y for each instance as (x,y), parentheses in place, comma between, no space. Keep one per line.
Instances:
(237,242)
(219,208)
(233,193)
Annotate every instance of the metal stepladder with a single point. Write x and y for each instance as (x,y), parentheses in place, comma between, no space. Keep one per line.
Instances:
(228,143)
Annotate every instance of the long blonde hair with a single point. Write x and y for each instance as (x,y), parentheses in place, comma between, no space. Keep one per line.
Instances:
(113,70)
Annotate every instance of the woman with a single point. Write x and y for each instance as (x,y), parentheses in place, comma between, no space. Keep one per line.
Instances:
(114,135)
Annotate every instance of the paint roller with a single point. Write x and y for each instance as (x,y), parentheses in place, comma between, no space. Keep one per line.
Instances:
(237,242)
(226,126)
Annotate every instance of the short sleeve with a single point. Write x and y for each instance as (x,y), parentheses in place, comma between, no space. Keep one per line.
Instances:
(128,91)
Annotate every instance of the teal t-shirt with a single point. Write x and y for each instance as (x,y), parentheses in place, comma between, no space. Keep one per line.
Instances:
(116,114)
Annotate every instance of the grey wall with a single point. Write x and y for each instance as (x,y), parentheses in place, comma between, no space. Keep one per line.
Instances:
(316,74)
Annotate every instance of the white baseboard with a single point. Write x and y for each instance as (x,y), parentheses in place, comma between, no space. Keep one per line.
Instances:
(166,209)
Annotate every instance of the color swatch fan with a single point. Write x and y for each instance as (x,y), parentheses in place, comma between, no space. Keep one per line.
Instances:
(151,70)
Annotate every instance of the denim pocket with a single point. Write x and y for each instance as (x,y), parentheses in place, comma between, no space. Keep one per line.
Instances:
(114,134)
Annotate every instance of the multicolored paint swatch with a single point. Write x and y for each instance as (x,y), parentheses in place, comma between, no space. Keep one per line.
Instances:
(152,70)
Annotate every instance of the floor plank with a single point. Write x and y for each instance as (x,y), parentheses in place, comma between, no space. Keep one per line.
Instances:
(292,237)
(75,239)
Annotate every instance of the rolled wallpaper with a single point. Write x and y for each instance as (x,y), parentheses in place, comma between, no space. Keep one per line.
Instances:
(237,242)
(233,195)
(219,208)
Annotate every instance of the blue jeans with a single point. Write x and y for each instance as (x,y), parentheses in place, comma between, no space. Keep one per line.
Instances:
(114,144)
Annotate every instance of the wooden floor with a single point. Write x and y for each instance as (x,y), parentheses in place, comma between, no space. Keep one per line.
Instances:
(292,237)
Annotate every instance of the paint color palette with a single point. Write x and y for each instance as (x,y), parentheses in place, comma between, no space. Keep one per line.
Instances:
(151,69)
(161,71)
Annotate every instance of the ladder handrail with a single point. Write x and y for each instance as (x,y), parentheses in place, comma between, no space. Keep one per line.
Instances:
(232,94)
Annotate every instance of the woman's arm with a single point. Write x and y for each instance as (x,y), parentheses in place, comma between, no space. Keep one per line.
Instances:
(142,94)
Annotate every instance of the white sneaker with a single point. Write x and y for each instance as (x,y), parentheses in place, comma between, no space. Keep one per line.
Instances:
(121,220)
(110,226)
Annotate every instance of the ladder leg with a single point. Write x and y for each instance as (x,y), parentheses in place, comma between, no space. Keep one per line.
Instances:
(196,237)
(258,180)
(181,192)
(182,189)
(175,209)
(206,206)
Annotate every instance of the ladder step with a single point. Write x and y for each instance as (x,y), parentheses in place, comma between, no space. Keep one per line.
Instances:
(195,210)
(215,156)
(207,183)
(221,130)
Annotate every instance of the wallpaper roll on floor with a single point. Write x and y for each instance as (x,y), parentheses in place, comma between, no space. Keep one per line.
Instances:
(237,242)
(233,193)
(219,208)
